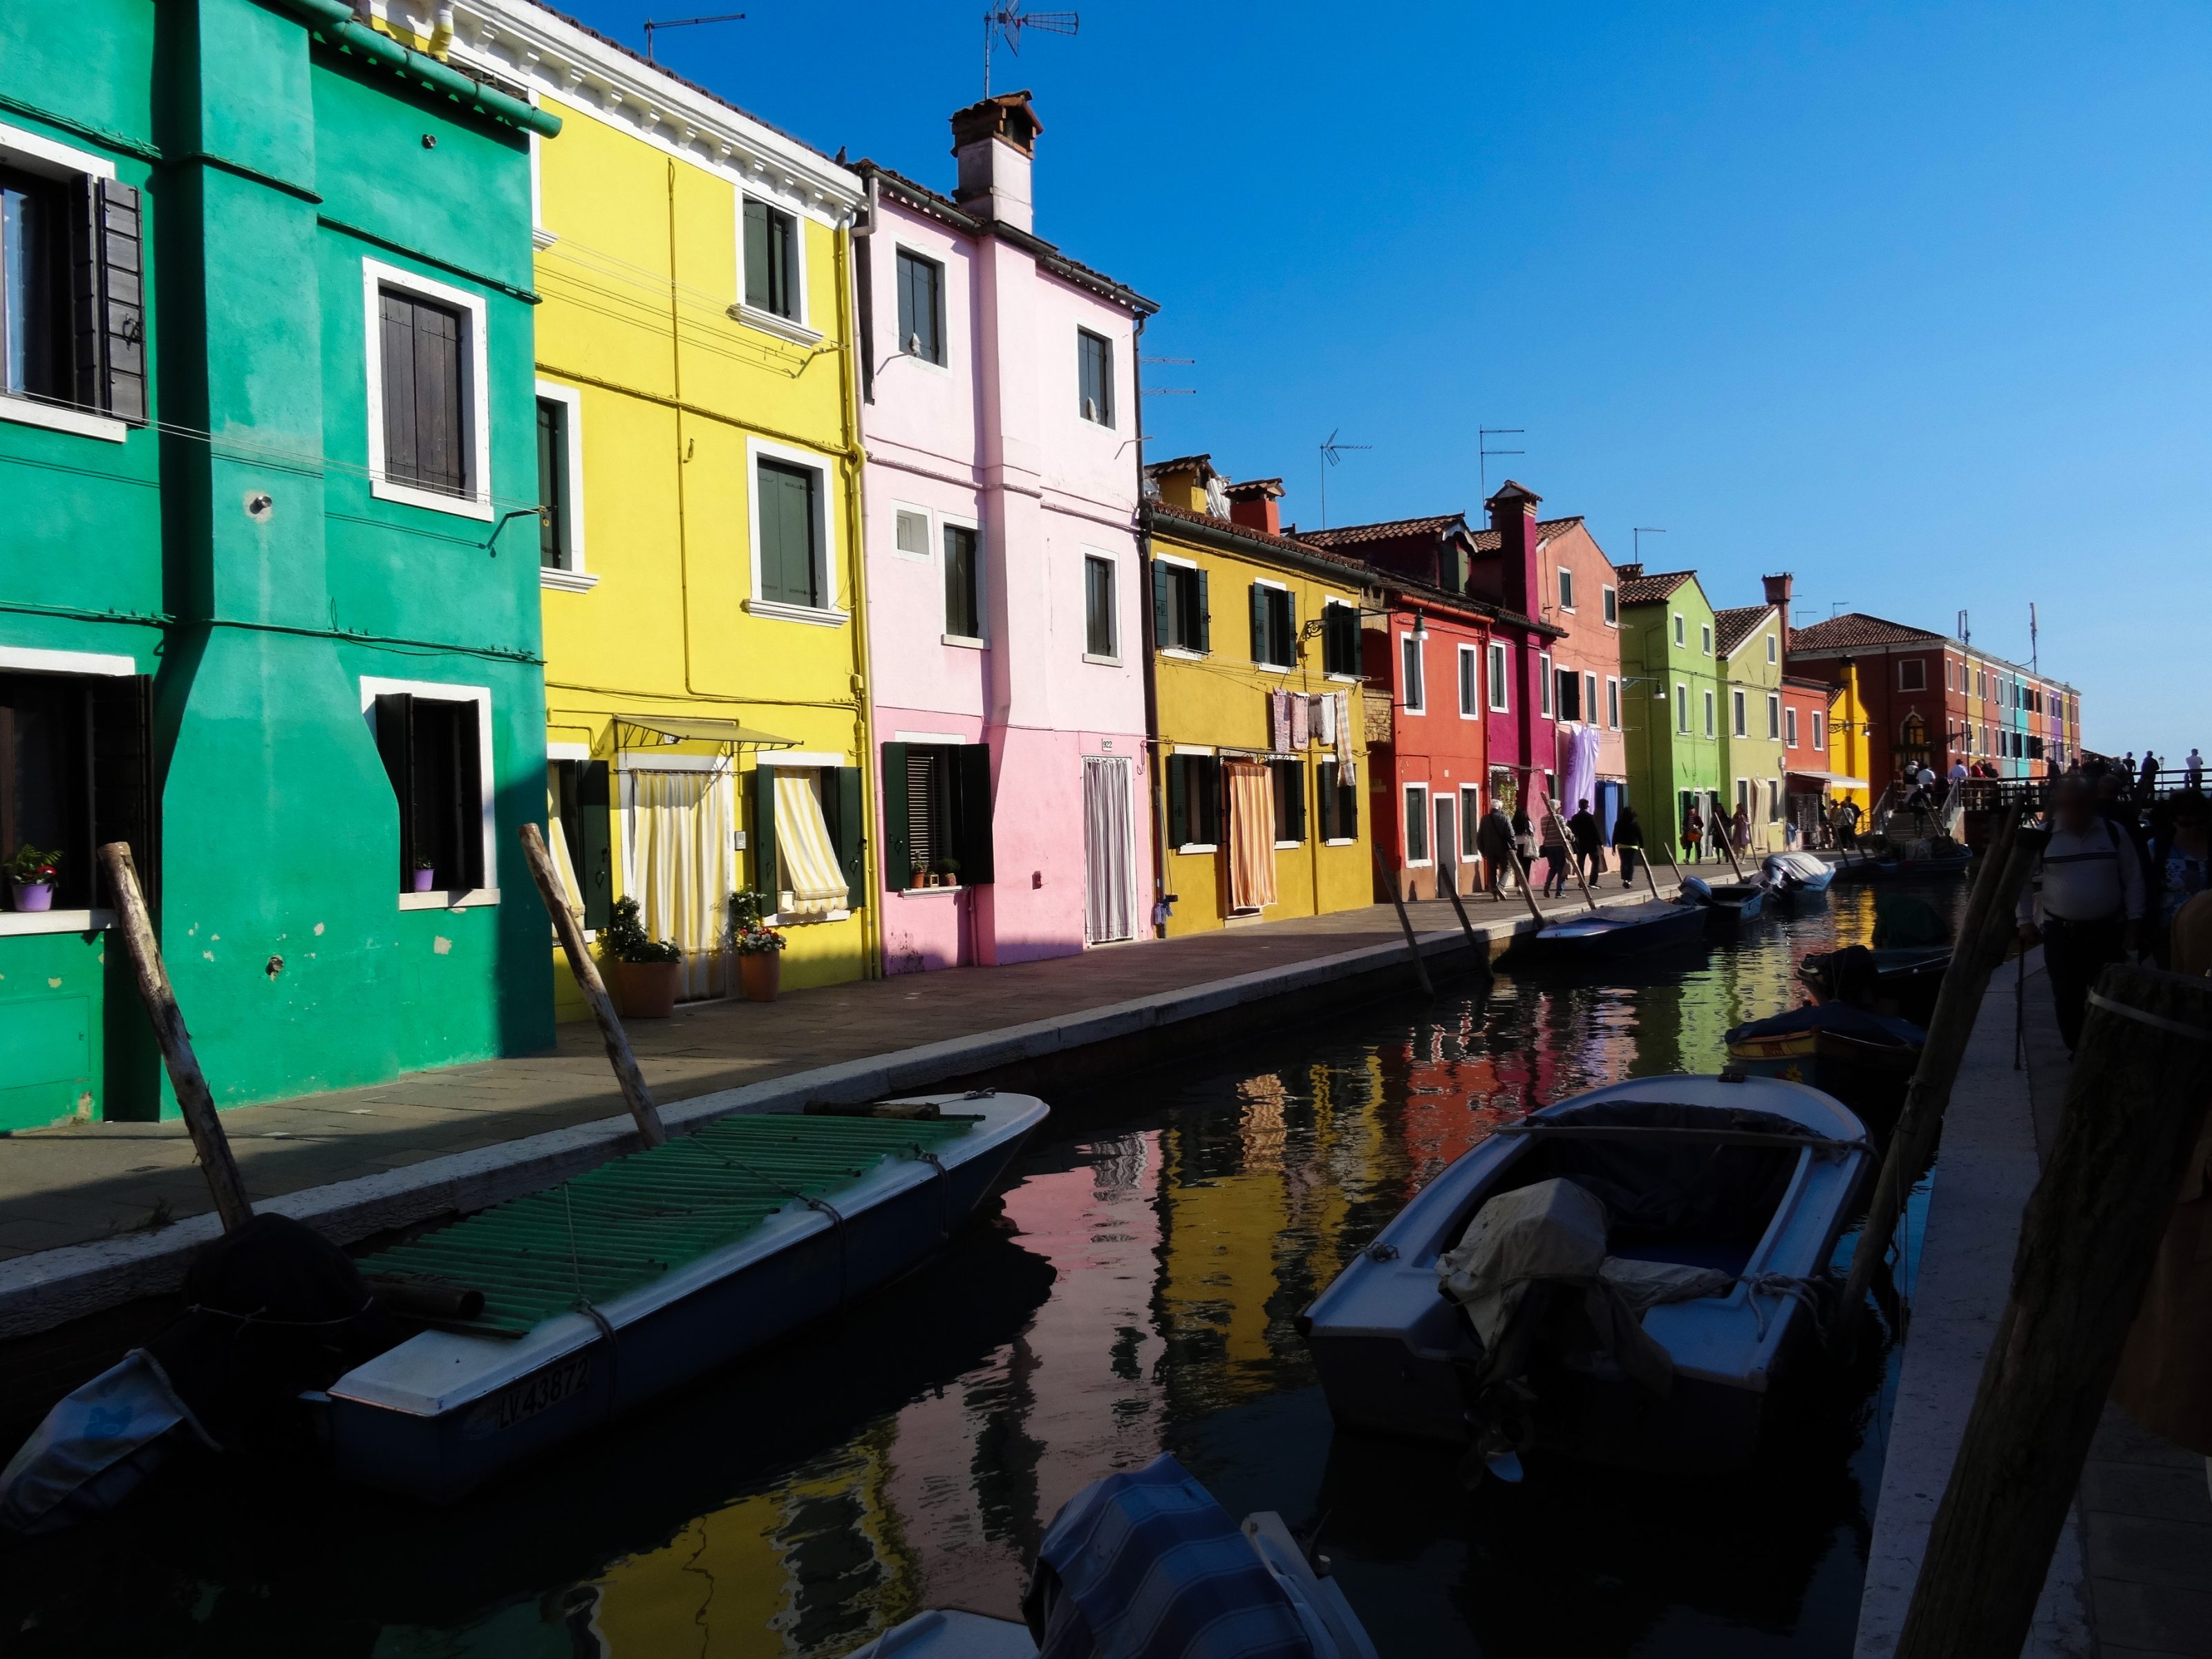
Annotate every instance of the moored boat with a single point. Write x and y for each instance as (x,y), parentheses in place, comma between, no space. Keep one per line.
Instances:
(1728,1195)
(1863,1059)
(1900,981)
(1618,931)
(1789,874)
(1727,904)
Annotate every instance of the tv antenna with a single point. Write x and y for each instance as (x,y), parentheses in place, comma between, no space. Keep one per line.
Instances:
(685,23)
(1331,453)
(1638,535)
(1010,20)
(2031,660)
(1484,451)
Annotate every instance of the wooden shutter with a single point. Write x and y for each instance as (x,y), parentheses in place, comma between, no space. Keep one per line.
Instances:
(757,283)
(898,845)
(976,849)
(122,310)
(1289,627)
(395,745)
(593,855)
(1178,801)
(1162,605)
(786,534)
(467,796)
(1259,605)
(123,784)
(767,880)
(424,429)
(1290,778)
(849,835)
(1205,616)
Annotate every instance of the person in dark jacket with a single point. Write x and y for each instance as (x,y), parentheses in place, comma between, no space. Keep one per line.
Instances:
(1628,842)
(1493,839)
(1583,828)
(1555,856)
(1693,836)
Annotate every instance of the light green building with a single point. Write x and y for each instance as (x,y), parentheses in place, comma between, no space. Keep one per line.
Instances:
(1747,646)
(1673,706)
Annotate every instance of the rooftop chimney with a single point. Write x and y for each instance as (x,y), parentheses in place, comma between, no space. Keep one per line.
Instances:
(1629,572)
(1253,505)
(1187,482)
(1513,516)
(1777,595)
(994,142)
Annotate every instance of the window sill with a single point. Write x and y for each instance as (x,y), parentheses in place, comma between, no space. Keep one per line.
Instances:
(776,611)
(54,418)
(966,641)
(1195,847)
(542,239)
(927,892)
(456,898)
(784,328)
(1342,841)
(431,500)
(1339,677)
(568,581)
(1102,662)
(1273,667)
(1420,864)
(1288,846)
(781,921)
(1182,654)
(13,922)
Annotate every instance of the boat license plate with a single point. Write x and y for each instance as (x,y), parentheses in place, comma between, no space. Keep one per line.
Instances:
(543,1390)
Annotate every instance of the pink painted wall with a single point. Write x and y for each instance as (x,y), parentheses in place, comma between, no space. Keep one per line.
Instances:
(1591,646)
(995,439)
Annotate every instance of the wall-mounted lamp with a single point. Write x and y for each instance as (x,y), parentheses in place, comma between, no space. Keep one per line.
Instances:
(1420,626)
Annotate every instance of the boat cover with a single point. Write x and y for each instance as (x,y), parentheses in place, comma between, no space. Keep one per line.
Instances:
(1145,1564)
(1802,866)
(1839,1017)
(1555,1231)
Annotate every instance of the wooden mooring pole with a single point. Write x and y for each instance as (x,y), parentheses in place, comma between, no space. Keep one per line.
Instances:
(1480,946)
(194,1098)
(1405,922)
(1988,932)
(570,928)
(2134,1106)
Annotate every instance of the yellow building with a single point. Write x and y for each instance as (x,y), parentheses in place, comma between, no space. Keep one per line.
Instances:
(700,540)
(1259,718)
(1850,738)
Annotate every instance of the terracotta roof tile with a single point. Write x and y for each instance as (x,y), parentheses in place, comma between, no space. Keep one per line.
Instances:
(1855,629)
(1733,626)
(1492,541)
(1298,544)
(1388,530)
(1650,589)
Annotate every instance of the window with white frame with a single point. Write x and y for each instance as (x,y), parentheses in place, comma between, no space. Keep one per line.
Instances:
(1773,716)
(1789,728)
(1544,683)
(1094,371)
(1102,633)
(1773,648)
(1681,634)
(1709,713)
(1501,678)
(1612,703)
(1416,683)
(1774,800)
(1737,714)
(910,532)
(1416,823)
(429,427)
(1589,698)
(1913,675)
(775,275)
(963,582)
(1819,730)
(1274,625)
(434,740)
(791,536)
(922,307)
(1612,597)
(1681,707)
(1339,639)
(1566,588)
(1470,689)
(1470,823)
(561,487)
(1705,639)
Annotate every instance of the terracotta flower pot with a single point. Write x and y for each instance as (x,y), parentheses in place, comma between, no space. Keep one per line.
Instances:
(760,973)
(644,990)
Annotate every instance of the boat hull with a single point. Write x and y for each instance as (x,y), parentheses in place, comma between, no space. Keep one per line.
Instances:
(1605,934)
(444,1412)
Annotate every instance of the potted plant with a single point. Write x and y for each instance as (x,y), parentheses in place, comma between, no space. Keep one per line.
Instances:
(34,874)
(426,876)
(948,872)
(759,947)
(919,875)
(643,973)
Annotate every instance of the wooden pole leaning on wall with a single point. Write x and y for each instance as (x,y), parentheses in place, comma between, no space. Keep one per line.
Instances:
(2134,1106)
(1984,937)
(1405,922)
(194,1098)
(1573,853)
(1480,947)
(570,928)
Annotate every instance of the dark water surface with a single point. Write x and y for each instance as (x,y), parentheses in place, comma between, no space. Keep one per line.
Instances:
(1137,1293)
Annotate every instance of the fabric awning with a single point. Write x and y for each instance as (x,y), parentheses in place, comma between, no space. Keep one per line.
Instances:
(1839,780)
(683,728)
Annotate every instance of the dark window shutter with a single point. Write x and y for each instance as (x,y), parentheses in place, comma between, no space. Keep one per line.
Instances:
(121,307)
(1213,772)
(123,787)
(898,843)
(1178,800)
(594,852)
(1204,641)
(399,317)
(467,797)
(975,863)
(438,423)
(1290,630)
(849,835)
(767,879)
(1259,653)
(1163,606)
(757,255)
(395,745)
(1291,776)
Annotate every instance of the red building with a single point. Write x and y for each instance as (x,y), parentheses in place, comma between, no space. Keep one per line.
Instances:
(1427,740)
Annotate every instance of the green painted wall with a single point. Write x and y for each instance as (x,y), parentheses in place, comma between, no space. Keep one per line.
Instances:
(1754,757)
(1663,760)
(282,165)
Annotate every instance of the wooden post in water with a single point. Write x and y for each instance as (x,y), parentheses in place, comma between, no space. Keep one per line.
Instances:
(1988,931)
(1405,922)
(2135,1105)
(1480,947)
(194,1098)
(1669,850)
(570,927)
(1574,857)
(1521,874)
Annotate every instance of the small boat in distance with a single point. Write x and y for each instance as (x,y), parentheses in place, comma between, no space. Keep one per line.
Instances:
(1727,904)
(1652,1270)
(1789,874)
(1601,935)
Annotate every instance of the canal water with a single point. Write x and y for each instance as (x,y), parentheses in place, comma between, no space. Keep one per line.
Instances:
(1136,1292)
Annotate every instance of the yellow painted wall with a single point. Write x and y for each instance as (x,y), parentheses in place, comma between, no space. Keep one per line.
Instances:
(674,392)
(1218,702)
(1849,750)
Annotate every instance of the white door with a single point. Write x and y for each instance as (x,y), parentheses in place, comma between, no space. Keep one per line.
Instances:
(1110,850)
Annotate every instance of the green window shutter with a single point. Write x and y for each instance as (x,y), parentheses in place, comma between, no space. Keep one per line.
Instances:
(1162,607)
(974,814)
(765,880)
(1290,627)
(1178,800)
(850,834)
(1259,624)
(1205,641)
(758,280)
(898,846)
(594,857)
(395,723)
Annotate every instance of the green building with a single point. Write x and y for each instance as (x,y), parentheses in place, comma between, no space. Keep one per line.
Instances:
(1747,644)
(1673,706)
(266,405)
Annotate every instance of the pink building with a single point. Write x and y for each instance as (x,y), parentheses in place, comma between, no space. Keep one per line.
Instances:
(1005,639)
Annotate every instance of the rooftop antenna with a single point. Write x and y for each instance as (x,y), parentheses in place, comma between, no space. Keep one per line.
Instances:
(685,23)
(1636,537)
(2032,664)
(1967,634)
(1484,451)
(1010,20)
(1331,451)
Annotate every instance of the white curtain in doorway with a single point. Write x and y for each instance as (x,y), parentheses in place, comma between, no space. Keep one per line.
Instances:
(1108,850)
(680,866)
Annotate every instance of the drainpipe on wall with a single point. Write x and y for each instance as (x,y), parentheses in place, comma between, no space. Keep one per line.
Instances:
(856,514)
(1155,786)
(441,32)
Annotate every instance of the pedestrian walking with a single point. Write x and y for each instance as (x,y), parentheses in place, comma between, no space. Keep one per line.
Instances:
(1925,777)
(2147,784)
(2088,884)
(1493,839)
(2181,860)
(1589,842)
(1555,856)
(1958,771)
(1524,838)
(1693,835)
(1740,830)
(1628,842)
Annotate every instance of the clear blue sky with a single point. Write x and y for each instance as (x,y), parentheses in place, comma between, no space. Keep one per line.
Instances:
(1911,302)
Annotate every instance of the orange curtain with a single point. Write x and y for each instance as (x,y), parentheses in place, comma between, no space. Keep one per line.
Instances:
(1251,834)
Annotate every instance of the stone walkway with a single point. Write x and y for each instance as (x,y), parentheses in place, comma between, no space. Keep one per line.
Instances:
(75,1184)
